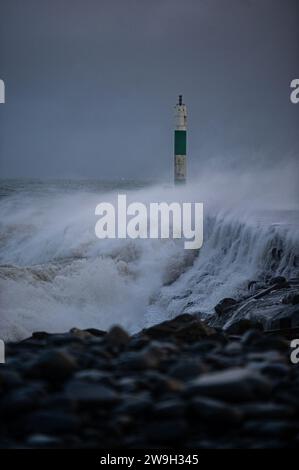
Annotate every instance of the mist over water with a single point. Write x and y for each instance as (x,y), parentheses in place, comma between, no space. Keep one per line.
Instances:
(55,274)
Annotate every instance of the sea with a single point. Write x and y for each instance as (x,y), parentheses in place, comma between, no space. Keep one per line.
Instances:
(55,274)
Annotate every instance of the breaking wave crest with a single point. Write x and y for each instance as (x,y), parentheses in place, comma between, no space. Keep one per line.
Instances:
(55,274)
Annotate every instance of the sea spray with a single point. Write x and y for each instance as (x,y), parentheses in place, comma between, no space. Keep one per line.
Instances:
(55,274)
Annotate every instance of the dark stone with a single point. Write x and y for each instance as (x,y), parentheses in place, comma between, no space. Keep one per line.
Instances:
(22,400)
(233,349)
(271,428)
(178,384)
(239,384)
(187,369)
(96,332)
(90,394)
(165,431)
(239,327)
(250,337)
(64,340)
(43,441)
(225,305)
(272,342)
(40,335)
(214,411)
(135,405)
(280,281)
(275,371)
(186,327)
(117,337)
(292,299)
(94,376)
(57,401)
(206,346)
(267,411)
(138,360)
(9,379)
(51,422)
(170,408)
(161,383)
(56,365)
(138,342)
(81,334)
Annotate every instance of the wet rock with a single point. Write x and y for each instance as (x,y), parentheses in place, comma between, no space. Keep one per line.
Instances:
(225,305)
(22,400)
(170,408)
(161,383)
(56,365)
(94,376)
(250,337)
(40,335)
(271,428)
(238,384)
(214,411)
(95,332)
(64,340)
(181,384)
(187,369)
(51,422)
(206,346)
(268,356)
(9,379)
(186,327)
(165,431)
(275,372)
(43,441)
(219,361)
(233,349)
(117,337)
(292,299)
(90,394)
(279,281)
(57,401)
(139,342)
(267,411)
(272,343)
(141,404)
(81,334)
(241,326)
(128,384)
(138,360)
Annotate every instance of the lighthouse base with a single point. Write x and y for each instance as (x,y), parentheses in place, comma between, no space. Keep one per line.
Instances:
(180,169)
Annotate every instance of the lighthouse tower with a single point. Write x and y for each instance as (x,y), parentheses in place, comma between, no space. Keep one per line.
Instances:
(180,142)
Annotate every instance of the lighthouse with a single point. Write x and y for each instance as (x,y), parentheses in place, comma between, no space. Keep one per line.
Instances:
(180,142)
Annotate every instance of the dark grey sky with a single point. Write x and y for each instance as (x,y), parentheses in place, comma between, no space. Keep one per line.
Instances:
(91,85)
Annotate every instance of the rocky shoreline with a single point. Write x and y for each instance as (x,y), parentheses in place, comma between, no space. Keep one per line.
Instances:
(180,384)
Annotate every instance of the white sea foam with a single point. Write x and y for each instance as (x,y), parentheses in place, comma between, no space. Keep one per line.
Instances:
(55,274)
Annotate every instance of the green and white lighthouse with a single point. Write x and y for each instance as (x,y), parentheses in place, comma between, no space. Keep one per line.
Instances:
(180,142)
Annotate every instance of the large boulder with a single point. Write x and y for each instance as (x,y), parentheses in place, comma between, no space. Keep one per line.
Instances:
(232,385)
(186,328)
(292,299)
(240,326)
(225,305)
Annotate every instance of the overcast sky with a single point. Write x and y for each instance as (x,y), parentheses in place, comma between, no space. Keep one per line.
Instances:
(91,85)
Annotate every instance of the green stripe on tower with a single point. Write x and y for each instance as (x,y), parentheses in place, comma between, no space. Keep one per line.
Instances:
(180,142)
